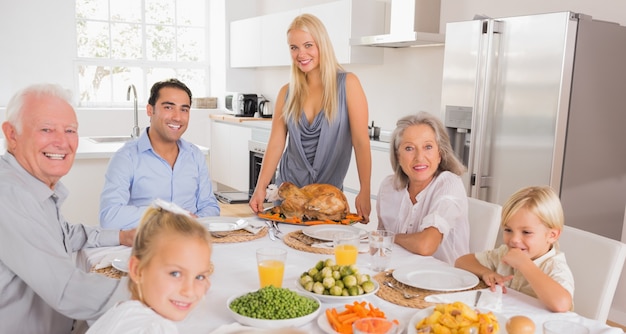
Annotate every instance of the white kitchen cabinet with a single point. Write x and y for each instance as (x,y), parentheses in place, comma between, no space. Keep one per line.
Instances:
(381,167)
(351,18)
(230,156)
(373,223)
(245,42)
(84,181)
(274,47)
(261,41)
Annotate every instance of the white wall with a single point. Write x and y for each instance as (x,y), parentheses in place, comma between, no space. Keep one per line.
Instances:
(35,44)
(606,10)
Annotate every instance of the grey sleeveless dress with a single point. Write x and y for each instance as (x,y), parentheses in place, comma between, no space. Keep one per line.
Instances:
(318,152)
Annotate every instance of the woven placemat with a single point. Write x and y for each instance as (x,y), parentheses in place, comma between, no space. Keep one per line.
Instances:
(394,296)
(301,241)
(238,236)
(109,272)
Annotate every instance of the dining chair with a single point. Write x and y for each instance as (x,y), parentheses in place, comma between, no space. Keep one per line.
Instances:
(484,221)
(596,263)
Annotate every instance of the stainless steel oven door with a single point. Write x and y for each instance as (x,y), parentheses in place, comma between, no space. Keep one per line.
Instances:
(257,151)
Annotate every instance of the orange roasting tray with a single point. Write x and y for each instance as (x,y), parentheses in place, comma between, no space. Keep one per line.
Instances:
(350,219)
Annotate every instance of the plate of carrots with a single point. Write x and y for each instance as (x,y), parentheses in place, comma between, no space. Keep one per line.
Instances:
(350,219)
(339,320)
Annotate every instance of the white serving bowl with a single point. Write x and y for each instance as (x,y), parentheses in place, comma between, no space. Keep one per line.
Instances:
(273,324)
(335,299)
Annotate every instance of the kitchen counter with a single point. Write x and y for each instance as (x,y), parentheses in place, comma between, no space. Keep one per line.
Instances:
(235,119)
(381,144)
(88,149)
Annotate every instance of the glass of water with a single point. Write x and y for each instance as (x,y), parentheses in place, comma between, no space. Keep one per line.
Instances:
(381,245)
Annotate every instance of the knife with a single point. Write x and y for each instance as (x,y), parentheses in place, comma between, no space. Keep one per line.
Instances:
(478,294)
(270,230)
(328,244)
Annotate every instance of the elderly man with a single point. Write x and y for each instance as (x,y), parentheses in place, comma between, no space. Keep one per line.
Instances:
(160,164)
(41,289)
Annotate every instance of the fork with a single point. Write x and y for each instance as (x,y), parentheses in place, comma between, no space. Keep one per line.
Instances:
(278,231)
(405,294)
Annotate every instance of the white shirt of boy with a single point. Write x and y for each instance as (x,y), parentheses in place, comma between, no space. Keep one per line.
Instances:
(552,263)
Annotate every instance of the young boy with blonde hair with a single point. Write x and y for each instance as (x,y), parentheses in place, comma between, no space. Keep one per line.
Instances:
(529,260)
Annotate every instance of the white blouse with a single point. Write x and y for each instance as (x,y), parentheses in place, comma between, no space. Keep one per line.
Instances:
(442,204)
(132,317)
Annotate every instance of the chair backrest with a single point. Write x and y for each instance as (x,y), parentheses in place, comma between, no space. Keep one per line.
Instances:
(484,221)
(596,263)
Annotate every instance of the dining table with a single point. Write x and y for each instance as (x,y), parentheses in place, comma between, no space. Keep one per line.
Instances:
(236,273)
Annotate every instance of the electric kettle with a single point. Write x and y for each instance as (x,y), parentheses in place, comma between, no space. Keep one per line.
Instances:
(265,110)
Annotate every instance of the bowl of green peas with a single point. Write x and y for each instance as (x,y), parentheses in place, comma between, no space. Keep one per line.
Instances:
(271,307)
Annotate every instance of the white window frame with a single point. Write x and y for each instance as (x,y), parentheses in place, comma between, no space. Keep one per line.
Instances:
(117,90)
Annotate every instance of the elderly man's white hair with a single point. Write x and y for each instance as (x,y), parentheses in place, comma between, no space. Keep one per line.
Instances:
(16,103)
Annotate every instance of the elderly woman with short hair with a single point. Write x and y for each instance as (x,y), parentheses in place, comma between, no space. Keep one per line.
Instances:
(424,202)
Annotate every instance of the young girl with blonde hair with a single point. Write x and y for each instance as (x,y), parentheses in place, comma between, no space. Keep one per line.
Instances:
(169,271)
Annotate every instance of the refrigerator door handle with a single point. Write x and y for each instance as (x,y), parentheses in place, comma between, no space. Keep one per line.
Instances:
(485,181)
(485,110)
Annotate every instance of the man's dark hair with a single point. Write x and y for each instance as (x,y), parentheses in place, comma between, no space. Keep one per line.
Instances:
(174,83)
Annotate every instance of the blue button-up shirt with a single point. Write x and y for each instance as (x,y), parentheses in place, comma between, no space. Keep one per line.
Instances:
(137,175)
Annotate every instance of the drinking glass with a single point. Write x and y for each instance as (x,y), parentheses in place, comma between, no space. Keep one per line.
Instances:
(374,326)
(380,244)
(271,266)
(346,246)
(563,326)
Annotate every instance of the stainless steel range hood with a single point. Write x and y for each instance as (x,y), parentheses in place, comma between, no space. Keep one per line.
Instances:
(412,23)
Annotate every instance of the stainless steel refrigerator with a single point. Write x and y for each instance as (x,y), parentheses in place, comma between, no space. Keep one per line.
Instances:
(541,100)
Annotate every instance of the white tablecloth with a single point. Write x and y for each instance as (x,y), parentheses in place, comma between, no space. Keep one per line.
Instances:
(236,273)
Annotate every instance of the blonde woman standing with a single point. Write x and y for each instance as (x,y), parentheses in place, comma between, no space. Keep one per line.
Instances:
(324,111)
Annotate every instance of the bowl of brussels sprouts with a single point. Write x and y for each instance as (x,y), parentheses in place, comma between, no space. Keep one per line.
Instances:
(271,308)
(334,283)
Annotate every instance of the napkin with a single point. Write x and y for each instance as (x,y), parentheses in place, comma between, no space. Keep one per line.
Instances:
(254,228)
(236,328)
(108,258)
(488,299)
(226,224)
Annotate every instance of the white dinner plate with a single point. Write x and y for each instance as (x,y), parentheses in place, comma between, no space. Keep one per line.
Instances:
(322,321)
(223,224)
(326,232)
(436,278)
(423,313)
(120,264)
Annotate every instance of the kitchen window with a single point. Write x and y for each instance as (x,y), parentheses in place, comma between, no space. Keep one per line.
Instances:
(123,42)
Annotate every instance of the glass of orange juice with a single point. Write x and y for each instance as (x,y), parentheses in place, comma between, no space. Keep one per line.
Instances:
(374,326)
(271,266)
(346,245)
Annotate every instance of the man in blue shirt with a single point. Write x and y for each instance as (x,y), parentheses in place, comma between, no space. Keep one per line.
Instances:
(160,164)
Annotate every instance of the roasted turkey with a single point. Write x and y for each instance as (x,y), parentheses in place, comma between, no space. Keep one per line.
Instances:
(312,202)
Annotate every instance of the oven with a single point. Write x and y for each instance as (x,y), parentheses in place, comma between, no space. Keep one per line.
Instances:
(257,151)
